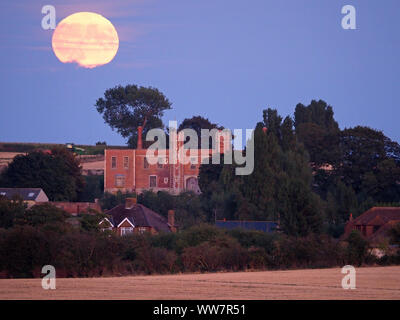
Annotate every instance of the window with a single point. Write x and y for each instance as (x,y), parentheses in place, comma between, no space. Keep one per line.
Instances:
(165,180)
(126,230)
(113,162)
(193,162)
(2,193)
(119,180)
(145,163)
(31,194)
(153,181)
(161,162)
(126,162)
(106,229)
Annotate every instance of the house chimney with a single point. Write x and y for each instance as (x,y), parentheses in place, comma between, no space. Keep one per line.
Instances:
(139,141)
(130,202)
(171,218)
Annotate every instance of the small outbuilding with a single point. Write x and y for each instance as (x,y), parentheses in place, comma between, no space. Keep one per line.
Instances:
(31,196)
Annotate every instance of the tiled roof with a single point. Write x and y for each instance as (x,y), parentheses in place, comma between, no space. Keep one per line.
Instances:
(140,216)
(383,231)
(27,194)
(265,226)
(386,214)
(382,217)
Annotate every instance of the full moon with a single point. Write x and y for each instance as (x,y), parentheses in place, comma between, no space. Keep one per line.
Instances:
(86,38)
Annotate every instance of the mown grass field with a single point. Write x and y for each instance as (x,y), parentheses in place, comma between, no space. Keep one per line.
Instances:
(371,283)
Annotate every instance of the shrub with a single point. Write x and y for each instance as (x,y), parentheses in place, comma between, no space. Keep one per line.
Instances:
(357,249)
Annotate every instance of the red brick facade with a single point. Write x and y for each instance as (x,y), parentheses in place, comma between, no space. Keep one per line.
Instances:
(127,170)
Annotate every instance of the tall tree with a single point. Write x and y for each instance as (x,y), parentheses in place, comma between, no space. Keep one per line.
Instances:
(370,163)
(127,108)
(197,123)
(317,129)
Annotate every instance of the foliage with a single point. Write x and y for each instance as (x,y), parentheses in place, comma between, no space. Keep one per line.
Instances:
(94,188)
(9,210)
(41,214)
(279,188)
(39,169)
(90,221)
(126,108)
(110,200)
(197,123)
(357,249)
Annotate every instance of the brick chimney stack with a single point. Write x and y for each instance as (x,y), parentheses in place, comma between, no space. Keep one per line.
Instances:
(139,141)
(130,202)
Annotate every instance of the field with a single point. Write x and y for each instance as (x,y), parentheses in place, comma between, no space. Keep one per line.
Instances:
(371,283)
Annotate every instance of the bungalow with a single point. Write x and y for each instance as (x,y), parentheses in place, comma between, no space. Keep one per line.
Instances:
(132,217)
(374,223)
(30,196)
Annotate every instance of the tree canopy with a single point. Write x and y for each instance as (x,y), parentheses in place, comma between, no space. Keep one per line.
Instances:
(127,108)
(58,173)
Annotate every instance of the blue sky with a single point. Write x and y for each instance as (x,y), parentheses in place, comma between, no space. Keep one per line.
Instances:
(225,60)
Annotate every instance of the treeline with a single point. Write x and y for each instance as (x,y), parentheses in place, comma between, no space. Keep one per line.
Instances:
(309,175)
(43,234)
(24,249)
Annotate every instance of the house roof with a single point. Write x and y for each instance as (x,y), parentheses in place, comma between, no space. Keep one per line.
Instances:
(27,194)
(265,226)
(381,217)
(139,216)
(378,216)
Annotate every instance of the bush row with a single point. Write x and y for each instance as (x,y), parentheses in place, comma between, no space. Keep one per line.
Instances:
(204,248)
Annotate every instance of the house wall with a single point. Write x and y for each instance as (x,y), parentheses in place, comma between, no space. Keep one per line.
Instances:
(77,207)
(42,197)
(170,177)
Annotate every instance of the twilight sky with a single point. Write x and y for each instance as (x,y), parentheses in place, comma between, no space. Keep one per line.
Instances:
(222,59)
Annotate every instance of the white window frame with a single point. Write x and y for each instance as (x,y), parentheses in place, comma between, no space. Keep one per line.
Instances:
(127,162)
(126,230)
(123,179)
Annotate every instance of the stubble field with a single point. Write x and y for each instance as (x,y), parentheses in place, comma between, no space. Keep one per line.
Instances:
(371,283)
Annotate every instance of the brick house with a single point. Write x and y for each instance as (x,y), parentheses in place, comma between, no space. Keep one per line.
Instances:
(128,170)
(374,223)
(132,217)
